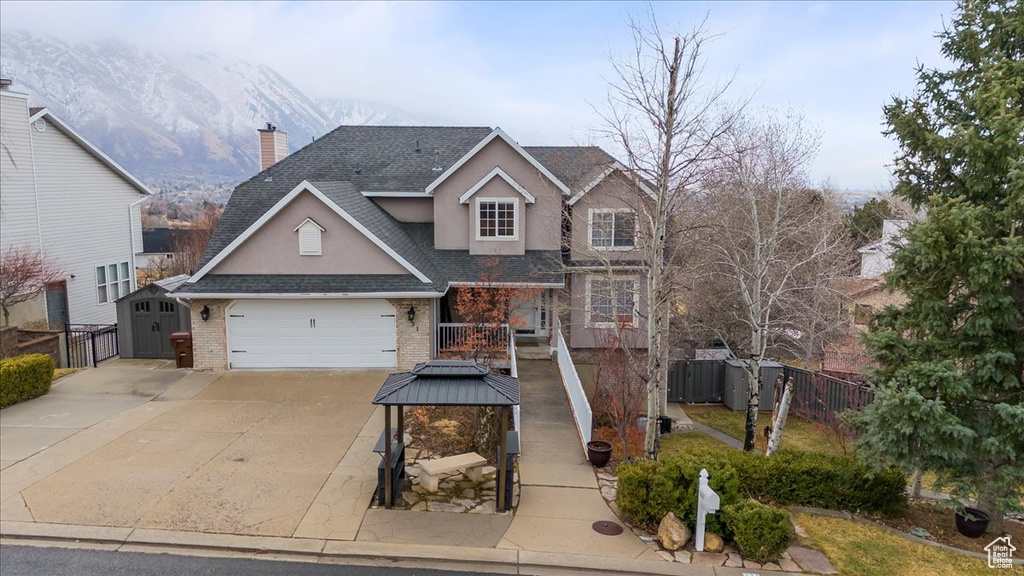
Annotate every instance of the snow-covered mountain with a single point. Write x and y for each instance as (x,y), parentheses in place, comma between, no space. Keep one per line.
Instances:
(173,118)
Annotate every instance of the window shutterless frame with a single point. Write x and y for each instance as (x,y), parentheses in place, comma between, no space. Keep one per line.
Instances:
(113,281)
(613,296)
(615,221)
(497,214)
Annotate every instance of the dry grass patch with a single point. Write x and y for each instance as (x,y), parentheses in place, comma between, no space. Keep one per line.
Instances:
(678,442)
(857,549)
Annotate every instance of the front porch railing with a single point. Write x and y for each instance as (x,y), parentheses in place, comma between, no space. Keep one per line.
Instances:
(463,337)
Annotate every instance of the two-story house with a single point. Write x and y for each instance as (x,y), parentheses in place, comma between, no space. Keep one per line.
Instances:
(349,252)
(63,197)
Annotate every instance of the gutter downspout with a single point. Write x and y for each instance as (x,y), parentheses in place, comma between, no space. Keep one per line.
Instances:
(39,220)
(131,233)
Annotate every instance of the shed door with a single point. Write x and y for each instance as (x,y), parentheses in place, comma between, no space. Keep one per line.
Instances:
(311,334)
(153,322)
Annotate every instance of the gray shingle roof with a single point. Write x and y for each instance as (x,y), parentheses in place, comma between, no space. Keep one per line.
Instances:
(447,383)
(575,166)
(385,157)
(538,266)
(305,284)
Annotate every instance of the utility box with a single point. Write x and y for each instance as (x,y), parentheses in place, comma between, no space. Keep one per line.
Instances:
(181,343)
(736,386)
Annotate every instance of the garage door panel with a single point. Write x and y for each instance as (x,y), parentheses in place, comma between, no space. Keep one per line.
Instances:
(312,334)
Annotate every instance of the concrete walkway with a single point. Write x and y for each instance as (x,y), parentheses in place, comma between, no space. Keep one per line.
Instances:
(560,498)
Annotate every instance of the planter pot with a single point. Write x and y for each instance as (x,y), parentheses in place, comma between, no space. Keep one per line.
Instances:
(599,453)
(971,522)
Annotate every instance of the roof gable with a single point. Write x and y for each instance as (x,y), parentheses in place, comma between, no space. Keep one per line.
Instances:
(344,200)
(498,133)
(497,172)
(44,113)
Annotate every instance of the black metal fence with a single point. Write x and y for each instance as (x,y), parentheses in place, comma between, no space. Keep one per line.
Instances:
(696,381)
(90,344)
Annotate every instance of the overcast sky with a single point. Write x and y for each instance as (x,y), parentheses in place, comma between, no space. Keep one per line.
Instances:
(536,69)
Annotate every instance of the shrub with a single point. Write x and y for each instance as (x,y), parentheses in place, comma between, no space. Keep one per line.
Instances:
(645,493)
(24,377)
(762,532)
(683,470)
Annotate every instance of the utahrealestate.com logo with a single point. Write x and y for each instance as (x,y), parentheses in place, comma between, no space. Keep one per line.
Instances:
(1000,553)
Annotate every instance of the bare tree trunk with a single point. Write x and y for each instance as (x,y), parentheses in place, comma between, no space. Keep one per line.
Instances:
(780,419)
(915,490)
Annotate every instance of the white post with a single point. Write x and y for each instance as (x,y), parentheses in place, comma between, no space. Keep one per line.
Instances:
(707,503)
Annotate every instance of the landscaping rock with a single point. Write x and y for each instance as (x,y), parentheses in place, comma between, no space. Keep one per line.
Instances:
(468,493)
(751,565)
(666,556)
(798,529)
(788,565)
(410,498)
(485,508)
(672,533)
(713,542)
(445,507)
(772,566)
(682,556)
(709,558)
(607,477)
(420,506)
(733,561)
(489,485)
(811,560)
(466,503)
(608,493)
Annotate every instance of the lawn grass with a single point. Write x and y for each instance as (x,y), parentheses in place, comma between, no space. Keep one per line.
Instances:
(799,434)
(857,549)
(678,442)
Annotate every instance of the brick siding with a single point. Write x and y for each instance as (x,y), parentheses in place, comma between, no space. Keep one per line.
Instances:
(413,338)
(209,339)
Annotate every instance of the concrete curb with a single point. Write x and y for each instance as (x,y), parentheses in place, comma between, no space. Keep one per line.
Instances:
(335,551)
(891,530)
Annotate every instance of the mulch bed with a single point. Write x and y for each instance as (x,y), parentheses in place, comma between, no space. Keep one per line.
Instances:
(940,522)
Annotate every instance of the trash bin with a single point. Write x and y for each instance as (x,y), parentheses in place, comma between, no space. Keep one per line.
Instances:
(181,343)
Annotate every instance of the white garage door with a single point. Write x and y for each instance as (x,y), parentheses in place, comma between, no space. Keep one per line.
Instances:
(311,334)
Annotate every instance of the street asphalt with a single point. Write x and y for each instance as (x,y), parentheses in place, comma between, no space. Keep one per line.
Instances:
(51,561)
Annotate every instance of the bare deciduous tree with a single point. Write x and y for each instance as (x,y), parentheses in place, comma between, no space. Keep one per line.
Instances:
(774,247)
(24,273)
(667,119)
(188,244)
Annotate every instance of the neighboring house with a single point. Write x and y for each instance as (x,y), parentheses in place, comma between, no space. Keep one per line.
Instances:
(876,257)
(159,247)
(69,200)
(349,253)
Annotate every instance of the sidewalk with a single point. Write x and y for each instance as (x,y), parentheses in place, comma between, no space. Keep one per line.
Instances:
(560,497)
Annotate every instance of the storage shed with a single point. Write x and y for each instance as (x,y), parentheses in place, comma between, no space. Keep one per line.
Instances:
(147,317)
(736,388)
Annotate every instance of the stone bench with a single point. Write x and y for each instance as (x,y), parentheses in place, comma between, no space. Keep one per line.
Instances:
(472,463)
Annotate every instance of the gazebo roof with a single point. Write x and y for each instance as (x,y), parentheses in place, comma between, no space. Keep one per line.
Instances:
(448,383)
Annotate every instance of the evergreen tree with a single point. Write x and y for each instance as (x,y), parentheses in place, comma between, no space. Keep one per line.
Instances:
(949,387)
(864,224)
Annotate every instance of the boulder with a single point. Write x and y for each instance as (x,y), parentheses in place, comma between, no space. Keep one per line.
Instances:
(672,533)
(713,542)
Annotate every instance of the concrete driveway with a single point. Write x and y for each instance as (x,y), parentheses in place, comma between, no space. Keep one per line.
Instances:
(258,453)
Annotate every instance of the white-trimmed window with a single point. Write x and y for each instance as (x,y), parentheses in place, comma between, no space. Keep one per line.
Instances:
(112,282)
(497,219)
(310,238)
(612,301)
(612,229)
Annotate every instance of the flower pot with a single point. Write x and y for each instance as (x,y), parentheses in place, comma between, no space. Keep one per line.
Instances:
(971,522)
(599,453)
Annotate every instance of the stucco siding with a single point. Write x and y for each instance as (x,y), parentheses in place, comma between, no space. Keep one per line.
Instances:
(541,222)
(84,208)
(408,209)
(497,189)
(274,248)
(582,335)
(18,224)
(613,193)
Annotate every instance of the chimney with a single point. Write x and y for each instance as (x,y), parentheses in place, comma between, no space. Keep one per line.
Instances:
(273,145)
(5,83)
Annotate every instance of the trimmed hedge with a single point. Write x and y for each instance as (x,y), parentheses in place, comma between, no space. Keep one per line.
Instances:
(648,490)
(762,532)
(24,377)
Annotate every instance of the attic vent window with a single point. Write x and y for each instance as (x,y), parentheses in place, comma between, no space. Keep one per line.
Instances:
(310,241)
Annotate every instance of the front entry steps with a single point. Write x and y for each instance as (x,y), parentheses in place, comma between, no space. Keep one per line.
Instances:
(538,352)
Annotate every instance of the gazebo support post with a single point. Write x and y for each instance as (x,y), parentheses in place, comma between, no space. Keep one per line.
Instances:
(400,416)
(502,456)
(387,457)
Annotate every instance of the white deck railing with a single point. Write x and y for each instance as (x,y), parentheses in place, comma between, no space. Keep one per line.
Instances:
(458,336)
(581,411)
(514,372)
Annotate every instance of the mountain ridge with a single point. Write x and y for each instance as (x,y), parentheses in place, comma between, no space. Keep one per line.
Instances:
(174,118)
